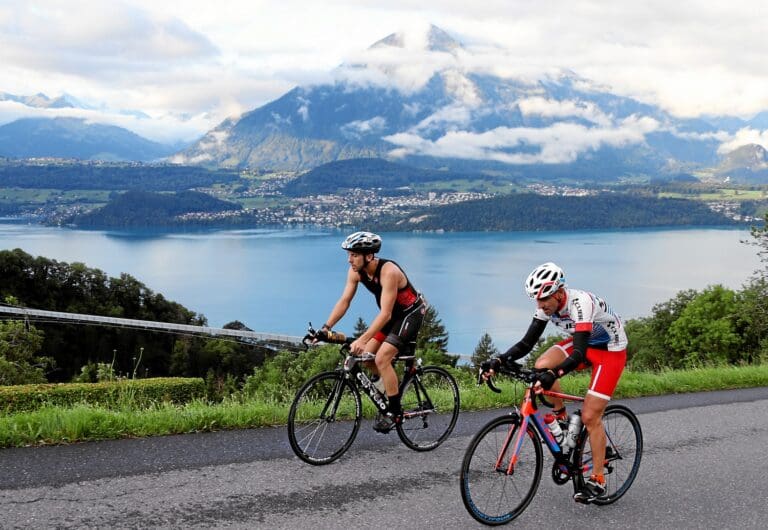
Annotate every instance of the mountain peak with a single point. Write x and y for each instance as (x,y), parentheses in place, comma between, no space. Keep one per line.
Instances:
(753,157)
(39,100)
(430,38)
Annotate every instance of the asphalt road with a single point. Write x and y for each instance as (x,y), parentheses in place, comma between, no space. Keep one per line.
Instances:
(704,466)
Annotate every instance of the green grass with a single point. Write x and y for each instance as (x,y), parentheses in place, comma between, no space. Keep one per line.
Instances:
(42,196)
(721,194)
(51,425)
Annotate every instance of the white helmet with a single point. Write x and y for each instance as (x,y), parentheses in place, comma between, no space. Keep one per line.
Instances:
(362,242)
(544,281)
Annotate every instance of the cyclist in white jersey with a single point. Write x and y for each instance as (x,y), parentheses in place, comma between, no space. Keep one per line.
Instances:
(597,338)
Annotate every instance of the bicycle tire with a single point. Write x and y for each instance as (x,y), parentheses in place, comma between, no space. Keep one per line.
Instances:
(324,418)
(430,401)
(624,437)
(490,495)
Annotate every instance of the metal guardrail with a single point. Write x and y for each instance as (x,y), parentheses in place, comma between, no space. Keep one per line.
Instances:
(247,336)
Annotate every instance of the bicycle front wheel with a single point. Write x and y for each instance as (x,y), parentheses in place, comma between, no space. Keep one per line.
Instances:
(324,418)
(623,451)
(492,493)
(430,401)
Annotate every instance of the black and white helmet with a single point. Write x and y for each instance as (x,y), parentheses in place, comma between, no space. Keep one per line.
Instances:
(362,243)
(544,281)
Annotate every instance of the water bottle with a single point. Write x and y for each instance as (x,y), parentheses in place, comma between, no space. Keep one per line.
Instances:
(335,336)
(378,382)
(554,427)
(574,427)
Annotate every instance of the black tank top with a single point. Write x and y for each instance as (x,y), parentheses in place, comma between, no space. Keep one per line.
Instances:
(405,296)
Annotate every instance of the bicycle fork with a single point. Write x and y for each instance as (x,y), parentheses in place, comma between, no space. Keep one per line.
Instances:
(528,415)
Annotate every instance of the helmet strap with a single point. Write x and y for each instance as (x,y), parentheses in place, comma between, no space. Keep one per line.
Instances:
(563,300)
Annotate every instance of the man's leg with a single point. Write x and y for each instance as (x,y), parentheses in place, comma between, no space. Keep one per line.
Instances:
(372,346)
(549,360)
(592,416)
(384,358)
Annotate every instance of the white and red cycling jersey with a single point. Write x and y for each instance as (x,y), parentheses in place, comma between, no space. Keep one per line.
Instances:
(585,311)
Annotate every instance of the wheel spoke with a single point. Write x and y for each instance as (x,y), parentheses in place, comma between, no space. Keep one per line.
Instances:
(324,418)
(430,402)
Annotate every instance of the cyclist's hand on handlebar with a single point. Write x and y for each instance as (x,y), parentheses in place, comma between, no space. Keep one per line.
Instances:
(321,335)
(490,367)
(545,379)
(357,347)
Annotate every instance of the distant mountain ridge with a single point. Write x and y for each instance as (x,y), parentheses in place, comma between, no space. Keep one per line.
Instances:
(76,138)
(560,125)
(424,102)
(42,101)
(747,164)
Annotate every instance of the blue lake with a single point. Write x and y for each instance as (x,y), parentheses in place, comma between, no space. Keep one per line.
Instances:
(276,281)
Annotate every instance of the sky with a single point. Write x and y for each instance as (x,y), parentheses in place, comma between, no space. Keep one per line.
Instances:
(188,65)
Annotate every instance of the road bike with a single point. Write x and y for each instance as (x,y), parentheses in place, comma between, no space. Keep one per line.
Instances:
(327,411)
(503,464)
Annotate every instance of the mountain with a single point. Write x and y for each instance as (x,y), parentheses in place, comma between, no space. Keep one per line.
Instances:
(386,177)
(430,107)
(41,101)
(747,164)
(76,138)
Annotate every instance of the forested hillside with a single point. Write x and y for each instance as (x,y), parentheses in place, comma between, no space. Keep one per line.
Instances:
(143,208)
(532,212)
(43,283)
(91,176)
(366,173)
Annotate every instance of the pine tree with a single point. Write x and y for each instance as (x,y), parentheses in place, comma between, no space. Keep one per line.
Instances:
(484,350)
(432,333)
(360,327)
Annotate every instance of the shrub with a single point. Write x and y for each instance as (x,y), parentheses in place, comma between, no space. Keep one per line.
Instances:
(133,392)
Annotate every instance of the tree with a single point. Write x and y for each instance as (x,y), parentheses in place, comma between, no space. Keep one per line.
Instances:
(484,350)
(19,344)
(752,320)
(648,337)
(360,327)
(43,283)
(705,331)
(760,236)
(432,332)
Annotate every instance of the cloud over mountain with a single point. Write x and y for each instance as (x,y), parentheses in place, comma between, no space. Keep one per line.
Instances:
(429,97)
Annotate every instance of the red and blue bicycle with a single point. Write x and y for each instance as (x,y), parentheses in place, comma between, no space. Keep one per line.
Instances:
(504,462)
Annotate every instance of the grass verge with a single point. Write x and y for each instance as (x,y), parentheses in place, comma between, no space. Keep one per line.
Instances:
(53,425)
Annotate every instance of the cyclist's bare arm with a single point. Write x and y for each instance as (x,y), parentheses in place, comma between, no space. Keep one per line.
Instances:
(342,305)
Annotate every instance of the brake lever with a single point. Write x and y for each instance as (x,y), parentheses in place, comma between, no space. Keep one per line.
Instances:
(310,336)
(488,382)
(493,387)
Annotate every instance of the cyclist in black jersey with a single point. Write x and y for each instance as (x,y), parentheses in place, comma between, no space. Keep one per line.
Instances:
(401,313)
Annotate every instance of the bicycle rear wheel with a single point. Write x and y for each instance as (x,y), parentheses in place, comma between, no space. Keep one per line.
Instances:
(624,449)
(430,401)
(324,418)
(490,495)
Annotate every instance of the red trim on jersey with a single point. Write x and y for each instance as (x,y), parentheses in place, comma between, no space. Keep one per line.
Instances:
(583,326)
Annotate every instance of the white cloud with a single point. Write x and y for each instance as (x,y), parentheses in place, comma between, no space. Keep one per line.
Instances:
(451,116)
(213,60)
(558,144)
(742,137)
(563,109)
(359,128)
